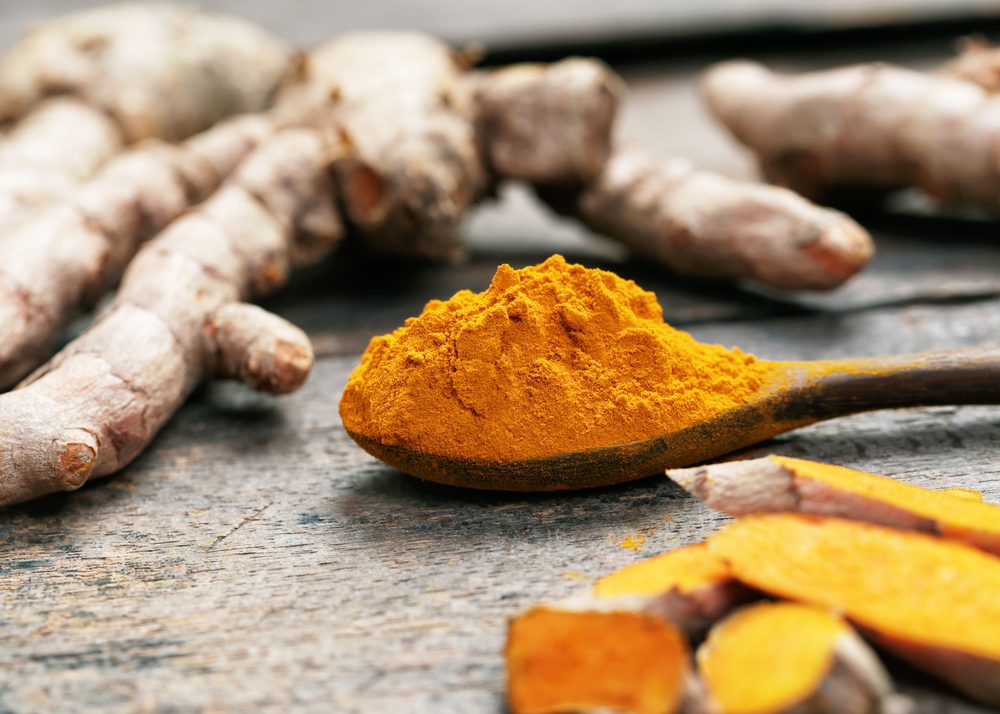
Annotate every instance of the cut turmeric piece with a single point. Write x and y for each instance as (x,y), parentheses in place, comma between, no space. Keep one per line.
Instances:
(771,658)
(969,494)
(689,586)
(934,602)
(567,661)
(781,484)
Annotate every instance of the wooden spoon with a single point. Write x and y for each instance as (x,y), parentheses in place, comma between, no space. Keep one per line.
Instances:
(801,393)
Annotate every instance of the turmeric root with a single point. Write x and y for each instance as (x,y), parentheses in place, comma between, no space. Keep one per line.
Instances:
(552,126)
(870,128)
(548,124)
(565,661)
(160,70)
(689,586)
(933,602)
(178,318)
(407,184)
(399,101)
(777,657)
(60,262)
(781,484)
(41,162)
(125,72)
(978,62)
(700,223)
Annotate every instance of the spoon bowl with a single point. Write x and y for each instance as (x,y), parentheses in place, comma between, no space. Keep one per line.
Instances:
(801,393)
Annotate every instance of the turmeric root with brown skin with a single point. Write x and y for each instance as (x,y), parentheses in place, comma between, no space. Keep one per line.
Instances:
(781,484)
(158,69)
(694,222)
(864,128)
(178,318)
(398,100)
(701,223)
(978,62)
(41,162)
(59,263)
(548,124)
(126,72)
(931,601)
(421,179)
(580,661)
(407,185)
(787,658)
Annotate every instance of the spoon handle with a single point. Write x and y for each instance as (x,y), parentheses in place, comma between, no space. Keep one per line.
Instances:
(834,388)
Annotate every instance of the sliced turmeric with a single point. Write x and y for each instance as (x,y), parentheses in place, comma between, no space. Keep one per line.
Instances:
(577,645)
(689,585)
(778,657)
(933,602)
(969,494)
(782,484)
(566,661)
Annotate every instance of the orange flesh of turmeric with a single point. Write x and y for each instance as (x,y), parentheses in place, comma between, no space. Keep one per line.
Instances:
(683,569)
(968,494)
(952,515)
(768,657)
(560,661)
(550,359)
(906,585)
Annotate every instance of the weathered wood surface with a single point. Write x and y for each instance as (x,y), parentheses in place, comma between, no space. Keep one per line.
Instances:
(255,560)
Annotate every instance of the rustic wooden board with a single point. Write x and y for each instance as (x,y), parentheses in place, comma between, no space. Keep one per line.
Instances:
(255,560)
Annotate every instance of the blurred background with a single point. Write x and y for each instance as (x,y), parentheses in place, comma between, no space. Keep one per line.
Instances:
(535,26)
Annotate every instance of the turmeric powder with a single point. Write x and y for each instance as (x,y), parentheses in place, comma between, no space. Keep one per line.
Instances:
(550,359)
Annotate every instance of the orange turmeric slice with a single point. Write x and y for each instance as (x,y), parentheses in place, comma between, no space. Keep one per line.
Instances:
(772,658)
(566,661)
(970,494)
(933,602)
(781,484)
(690,586)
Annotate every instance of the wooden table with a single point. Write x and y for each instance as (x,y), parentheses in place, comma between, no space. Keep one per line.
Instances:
(255,560)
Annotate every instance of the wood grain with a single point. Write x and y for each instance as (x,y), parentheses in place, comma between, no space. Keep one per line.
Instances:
(255,560)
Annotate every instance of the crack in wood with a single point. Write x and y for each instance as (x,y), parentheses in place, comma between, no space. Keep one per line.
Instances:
(255,516)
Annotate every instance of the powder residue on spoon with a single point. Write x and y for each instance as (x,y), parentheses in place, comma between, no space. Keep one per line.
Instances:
(552,358)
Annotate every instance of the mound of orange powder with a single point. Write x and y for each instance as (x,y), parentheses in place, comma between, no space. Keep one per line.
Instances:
(552,358)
